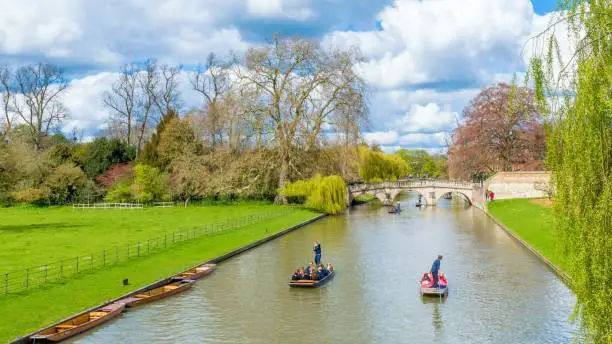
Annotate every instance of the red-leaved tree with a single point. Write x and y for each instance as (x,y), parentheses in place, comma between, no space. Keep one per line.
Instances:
(501,131)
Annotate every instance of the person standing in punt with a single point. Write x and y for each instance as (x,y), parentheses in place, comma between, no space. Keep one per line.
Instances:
(317,252)
(435,267)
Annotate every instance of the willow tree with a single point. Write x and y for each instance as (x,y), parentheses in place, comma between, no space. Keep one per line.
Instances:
(577,97)
(299,86)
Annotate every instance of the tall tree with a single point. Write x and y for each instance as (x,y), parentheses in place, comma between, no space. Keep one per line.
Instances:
(6,91)
(122,100)
(580,153)
(168,97)
(212,81)
(502,131)
(41,86)
(299,86)
(148,88)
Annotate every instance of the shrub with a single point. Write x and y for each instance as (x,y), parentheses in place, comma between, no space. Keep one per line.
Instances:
(36,196)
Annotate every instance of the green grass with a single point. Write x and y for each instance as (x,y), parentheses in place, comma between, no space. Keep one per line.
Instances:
(35,236)
(532,223)
(44,305)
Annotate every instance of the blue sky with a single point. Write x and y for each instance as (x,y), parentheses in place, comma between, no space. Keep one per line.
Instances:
(427,58)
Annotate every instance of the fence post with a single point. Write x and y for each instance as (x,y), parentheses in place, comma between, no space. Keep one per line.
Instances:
(27,275)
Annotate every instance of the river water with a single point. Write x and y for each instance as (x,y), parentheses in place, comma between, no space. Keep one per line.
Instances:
(498,292)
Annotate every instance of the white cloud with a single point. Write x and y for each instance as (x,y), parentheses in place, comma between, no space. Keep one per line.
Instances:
(381,137)
(288,9)
(115,32)
(423,140)
(428,118)
(443,40)
(84,101)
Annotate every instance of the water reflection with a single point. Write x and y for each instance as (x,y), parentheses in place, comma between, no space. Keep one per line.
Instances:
(374,298)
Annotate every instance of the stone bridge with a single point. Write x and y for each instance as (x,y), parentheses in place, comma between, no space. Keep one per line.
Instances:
(431,190)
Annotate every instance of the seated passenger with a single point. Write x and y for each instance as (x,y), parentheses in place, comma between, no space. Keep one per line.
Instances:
(330,267)
(296,275)
(307,270)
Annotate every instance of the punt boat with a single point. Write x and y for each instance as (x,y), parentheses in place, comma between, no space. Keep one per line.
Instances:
(197,272)
(79,323)
(312,283)
(175,286)
(427,288)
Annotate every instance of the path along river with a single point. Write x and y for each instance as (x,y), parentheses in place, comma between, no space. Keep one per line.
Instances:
(499,293)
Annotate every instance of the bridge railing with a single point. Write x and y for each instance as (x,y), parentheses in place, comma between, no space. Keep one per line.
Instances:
(413,184)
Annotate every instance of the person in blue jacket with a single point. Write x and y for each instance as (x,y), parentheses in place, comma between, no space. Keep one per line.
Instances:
(435,267)
(317,252)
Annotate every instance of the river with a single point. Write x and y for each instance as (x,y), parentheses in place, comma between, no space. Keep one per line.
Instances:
(498,292)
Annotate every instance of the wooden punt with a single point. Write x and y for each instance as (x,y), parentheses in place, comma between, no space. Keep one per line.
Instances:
(174,287)
(79,323)
(312,283)
(197,272)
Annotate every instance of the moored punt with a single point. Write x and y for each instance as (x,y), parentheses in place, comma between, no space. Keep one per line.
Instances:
(394,210)
(79,323)
(197,272)
(175,286)
(312,283)
(427,288)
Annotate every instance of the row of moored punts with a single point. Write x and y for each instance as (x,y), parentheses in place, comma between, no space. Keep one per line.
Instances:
(86,321)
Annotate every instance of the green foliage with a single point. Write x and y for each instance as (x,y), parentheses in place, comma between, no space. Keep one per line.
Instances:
(121,192)
(150,152)
(149,184)
(323,194)
(580,157)
(423,164)
(64,183)
(377,165)
(35,196)
(99,155)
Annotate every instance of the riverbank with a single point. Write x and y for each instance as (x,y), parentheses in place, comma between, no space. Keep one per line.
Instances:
(531,220)
(49,303)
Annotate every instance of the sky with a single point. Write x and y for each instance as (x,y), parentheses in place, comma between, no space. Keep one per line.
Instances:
(426,59)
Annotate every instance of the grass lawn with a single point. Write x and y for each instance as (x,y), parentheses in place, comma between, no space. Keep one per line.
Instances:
(532,221)
(79,232)
(34,236)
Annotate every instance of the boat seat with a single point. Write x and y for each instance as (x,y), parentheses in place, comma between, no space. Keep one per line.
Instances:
(64,326)
(142,296)
(170,287)
(97,314)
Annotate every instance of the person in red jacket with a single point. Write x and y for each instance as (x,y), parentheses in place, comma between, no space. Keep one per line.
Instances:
(491,196)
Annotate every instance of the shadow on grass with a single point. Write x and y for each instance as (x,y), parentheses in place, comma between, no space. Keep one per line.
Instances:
(37,226)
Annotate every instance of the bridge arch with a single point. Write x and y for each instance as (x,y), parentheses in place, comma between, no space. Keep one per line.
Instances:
(458,193)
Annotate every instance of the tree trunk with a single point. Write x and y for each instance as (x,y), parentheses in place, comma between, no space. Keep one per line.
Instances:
(282,180)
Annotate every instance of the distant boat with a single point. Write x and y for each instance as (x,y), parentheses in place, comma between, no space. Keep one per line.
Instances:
(418,205)
(175,286)
(427,288)
(79,323)
(312,283)
(197,272)
(394,210)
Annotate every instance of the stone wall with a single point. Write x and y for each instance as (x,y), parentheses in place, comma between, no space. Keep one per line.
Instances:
(519,184)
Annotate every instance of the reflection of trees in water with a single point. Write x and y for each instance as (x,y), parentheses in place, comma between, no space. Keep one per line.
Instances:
(436,315)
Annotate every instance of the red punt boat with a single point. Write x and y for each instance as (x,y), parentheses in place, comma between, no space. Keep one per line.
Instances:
(426,285)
